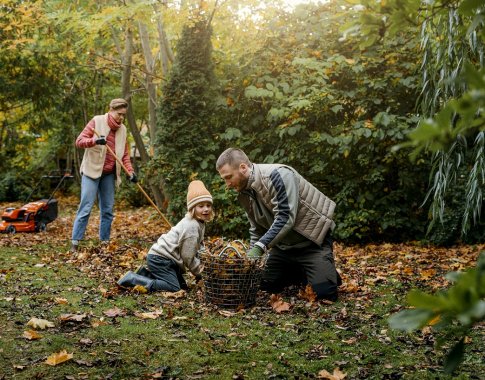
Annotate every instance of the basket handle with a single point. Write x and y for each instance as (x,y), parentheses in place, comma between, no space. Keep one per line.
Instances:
(230,247)
(240,242)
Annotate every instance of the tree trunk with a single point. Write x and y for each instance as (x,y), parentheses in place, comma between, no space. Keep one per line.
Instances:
(126,60)
(150,86)
(166,52)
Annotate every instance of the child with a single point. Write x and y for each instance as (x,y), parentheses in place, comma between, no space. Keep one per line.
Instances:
(176,251)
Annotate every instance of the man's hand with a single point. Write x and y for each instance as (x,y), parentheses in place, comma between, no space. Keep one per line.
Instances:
(255,253)
(101,140)
(133,178)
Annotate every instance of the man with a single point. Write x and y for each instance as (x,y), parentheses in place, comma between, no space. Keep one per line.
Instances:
(289,217)
(100,170)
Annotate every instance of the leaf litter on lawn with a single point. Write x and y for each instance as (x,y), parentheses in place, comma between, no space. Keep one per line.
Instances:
(353,328)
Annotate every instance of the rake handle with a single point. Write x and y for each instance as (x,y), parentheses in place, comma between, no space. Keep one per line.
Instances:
(139,186)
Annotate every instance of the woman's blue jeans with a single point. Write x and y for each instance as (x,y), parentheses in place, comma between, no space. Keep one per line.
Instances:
(104,189)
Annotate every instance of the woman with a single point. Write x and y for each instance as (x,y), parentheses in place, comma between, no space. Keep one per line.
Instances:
(100,170)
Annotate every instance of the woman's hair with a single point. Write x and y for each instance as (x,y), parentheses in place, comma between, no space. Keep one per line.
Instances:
(191,213)
(232,157)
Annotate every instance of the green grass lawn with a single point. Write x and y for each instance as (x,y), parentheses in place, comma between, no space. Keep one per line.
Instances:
(194,340)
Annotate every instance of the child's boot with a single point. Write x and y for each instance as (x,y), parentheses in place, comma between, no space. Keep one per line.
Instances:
(142,270)
(131,279)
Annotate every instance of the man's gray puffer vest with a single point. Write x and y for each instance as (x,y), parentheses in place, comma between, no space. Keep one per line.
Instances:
(314,216)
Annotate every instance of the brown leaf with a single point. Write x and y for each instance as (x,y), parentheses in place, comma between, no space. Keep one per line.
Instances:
(31,335)
(337,374)
(174,295)
(97,323)
(278,304)
(115,312)
(58,358)
(308,294)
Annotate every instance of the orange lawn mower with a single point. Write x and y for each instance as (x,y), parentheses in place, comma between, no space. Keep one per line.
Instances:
(33,216)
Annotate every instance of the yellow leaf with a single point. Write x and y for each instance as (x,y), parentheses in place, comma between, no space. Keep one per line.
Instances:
(31,335)
(58,358)
(61,301)
(38,323)
(336,375)
(434,321)
(140,289)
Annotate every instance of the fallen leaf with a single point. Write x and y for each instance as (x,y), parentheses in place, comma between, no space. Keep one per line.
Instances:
(86,341)
(97,323)
(58,358)
(38,323)
(175,295)
(31,335)
(151,315)
(427,274)
(337,374)
(278,304)
(72,317)
(308,294)
(350,341)
(115,312)
(61,301)
(227,313)
(139,289)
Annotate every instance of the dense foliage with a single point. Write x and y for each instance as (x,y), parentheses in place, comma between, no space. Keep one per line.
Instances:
(300,87)
(310,99)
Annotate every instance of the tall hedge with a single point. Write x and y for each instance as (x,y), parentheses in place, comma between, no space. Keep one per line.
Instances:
(186,145)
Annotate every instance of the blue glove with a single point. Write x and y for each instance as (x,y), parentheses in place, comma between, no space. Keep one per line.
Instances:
(133,178)
(255,253)
(101,140)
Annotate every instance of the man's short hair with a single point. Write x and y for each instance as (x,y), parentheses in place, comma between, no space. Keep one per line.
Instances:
(232,157)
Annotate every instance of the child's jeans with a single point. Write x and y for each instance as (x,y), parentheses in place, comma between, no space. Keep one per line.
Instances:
(166,273)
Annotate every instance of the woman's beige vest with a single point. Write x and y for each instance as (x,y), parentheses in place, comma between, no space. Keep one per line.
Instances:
(93,159)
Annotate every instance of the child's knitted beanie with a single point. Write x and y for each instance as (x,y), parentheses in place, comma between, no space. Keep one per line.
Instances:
(197,193)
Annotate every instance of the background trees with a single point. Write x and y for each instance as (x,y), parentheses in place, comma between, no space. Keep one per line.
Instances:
(294,86)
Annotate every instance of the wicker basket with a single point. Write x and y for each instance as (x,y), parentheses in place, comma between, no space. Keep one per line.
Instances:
(230,279)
